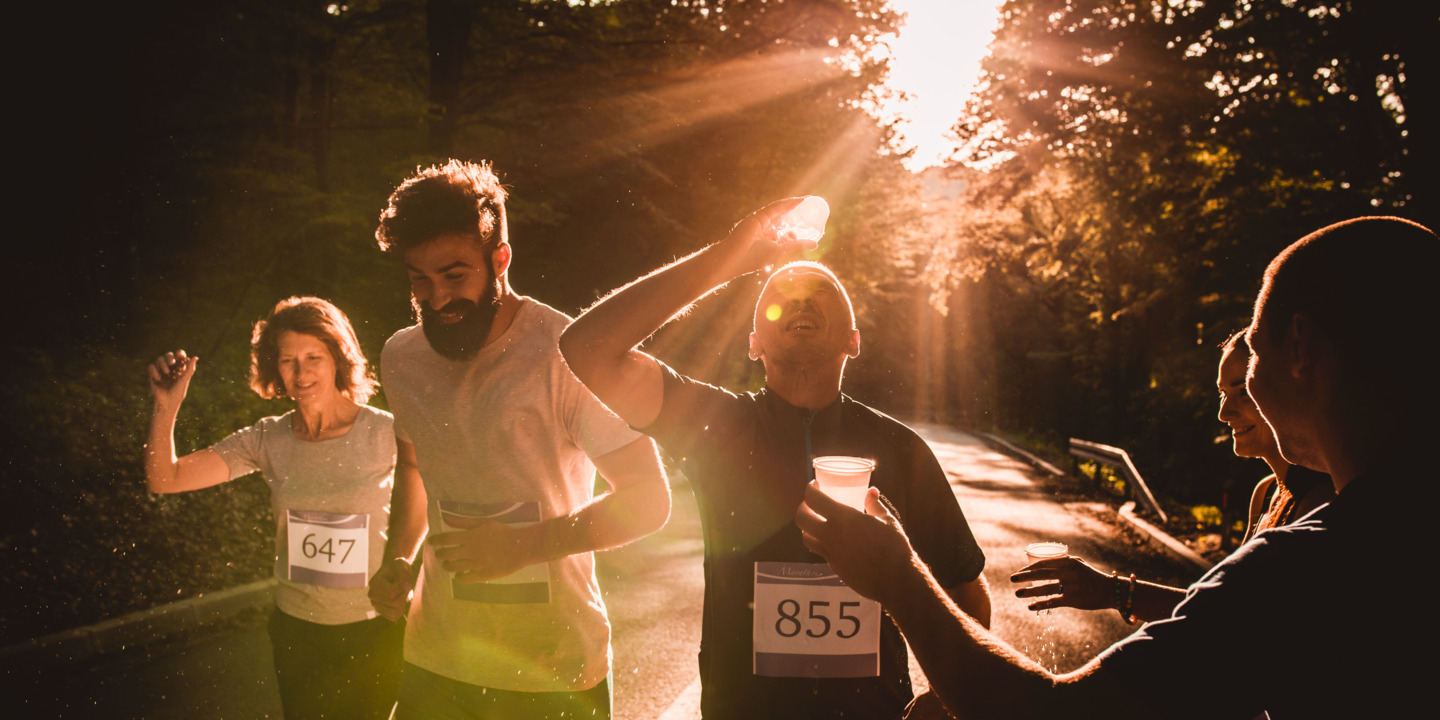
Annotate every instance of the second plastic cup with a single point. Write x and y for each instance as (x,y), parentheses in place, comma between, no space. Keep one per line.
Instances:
(844,478)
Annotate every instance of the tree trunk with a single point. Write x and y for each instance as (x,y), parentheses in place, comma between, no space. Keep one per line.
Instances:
(447,30)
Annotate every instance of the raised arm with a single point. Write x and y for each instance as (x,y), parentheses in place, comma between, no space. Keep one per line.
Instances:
(169,382)
(601,345)
(393,583)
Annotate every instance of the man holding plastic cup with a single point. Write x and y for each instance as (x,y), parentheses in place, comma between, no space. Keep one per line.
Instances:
(1288,624)
(782,636)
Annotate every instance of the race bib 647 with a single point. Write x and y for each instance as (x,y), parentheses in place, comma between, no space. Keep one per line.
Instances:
(329,549)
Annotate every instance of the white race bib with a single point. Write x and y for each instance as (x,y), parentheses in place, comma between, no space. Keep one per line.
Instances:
(809,624)
(530,584)
(329,549)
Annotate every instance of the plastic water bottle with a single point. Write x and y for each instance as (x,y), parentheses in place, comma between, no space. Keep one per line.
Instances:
(806,222)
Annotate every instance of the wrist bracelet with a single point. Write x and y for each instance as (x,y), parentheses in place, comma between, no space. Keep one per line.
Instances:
(1127,611)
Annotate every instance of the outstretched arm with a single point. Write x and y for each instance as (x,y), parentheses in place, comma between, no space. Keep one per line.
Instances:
(164,473)
(637,504)
(601,345)
(1082,586)
(975,673)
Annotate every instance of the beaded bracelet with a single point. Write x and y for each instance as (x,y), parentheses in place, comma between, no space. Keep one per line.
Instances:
(1124,596)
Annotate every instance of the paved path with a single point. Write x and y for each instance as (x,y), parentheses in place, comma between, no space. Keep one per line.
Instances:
(654,591)
(1008,507)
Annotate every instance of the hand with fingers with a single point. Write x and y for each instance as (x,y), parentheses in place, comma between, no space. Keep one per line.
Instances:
(866,549)
(484,549)
(1080,585)
(170,377)
(391,588)
(760,240)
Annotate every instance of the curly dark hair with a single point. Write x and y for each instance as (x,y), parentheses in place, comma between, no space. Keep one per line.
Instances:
(454,197)
(323,321)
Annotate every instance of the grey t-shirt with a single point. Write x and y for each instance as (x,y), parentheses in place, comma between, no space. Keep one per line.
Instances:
(351,475)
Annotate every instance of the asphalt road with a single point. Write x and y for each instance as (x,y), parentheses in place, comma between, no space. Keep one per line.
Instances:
(653,589)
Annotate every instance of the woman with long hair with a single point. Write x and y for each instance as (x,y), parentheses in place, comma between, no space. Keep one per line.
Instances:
(1288,494)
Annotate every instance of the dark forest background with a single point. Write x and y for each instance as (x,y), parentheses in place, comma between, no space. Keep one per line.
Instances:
(1128,169)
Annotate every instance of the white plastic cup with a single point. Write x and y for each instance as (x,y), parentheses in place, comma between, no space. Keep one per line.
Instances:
(844,478)
(1035,552)
(806,221)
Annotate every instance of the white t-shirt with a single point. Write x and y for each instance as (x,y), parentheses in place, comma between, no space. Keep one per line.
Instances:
(350,475)
(511,427)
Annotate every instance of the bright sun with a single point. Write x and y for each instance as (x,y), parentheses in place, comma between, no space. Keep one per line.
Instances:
(936,59)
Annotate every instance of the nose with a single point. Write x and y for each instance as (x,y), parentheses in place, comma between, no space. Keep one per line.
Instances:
(437,298)
(1227,409)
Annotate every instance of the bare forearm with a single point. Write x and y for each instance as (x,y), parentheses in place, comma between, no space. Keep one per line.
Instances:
(975,673)
(974,599)
(1154,601)
(160,461)
(611,520)
(408,520)
(637,504)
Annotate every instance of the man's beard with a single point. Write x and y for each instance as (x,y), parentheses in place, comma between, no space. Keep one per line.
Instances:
(460,340)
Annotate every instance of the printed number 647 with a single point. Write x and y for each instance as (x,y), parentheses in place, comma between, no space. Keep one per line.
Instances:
(311,549)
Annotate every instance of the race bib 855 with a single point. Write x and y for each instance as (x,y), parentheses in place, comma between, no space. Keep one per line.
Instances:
(808,623)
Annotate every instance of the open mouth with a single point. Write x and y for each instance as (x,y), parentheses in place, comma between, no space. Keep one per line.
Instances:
(803,321)
(1238,431)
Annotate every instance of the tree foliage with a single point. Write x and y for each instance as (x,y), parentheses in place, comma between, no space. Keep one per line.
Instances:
(1147,160)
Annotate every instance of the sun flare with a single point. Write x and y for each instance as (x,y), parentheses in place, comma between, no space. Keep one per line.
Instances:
(935,61)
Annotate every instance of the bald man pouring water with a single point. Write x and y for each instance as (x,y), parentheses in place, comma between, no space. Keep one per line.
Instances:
(782,635)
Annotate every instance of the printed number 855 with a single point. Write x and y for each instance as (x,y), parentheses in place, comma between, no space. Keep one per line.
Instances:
(788,625)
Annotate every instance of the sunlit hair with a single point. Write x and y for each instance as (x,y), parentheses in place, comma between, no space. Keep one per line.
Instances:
(455,197)
(323,321)
(806,265)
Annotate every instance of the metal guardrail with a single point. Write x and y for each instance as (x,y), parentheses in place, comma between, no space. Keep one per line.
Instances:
(1117,458)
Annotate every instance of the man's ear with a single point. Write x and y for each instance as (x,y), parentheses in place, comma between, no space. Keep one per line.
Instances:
(852,348)
(500,259)
(1302,345)
(755,352)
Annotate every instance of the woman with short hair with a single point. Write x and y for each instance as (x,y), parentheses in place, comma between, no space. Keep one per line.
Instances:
(330,464)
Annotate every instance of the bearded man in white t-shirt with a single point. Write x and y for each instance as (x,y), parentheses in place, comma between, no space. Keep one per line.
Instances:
(497,449)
